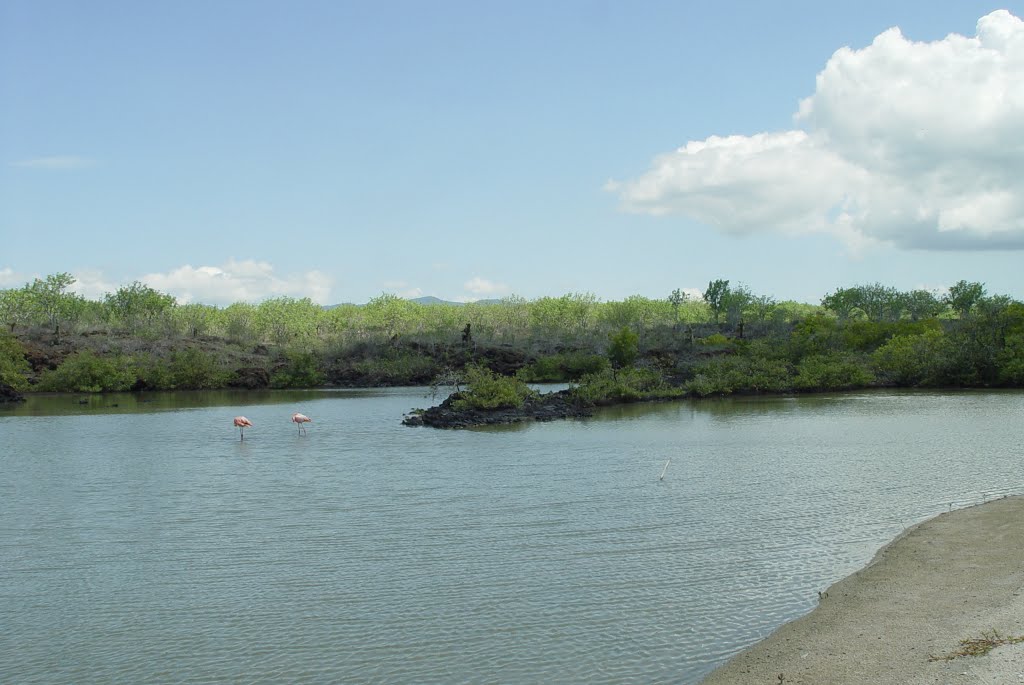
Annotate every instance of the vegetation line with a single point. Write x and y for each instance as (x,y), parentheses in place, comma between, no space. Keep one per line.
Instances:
(728,341)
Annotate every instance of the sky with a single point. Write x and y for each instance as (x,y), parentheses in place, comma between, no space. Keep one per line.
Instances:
(239,150)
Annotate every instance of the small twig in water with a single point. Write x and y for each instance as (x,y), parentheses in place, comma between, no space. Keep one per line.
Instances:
(662,477)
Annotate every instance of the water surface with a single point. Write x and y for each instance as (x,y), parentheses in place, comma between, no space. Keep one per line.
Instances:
(141,541)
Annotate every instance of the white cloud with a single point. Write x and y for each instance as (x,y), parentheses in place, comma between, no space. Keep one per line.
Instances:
(910,143)
(481,287)
(238,281)
(91,284)
(55,163)
(9,278)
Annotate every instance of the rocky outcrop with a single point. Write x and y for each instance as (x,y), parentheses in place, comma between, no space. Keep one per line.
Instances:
(548,407)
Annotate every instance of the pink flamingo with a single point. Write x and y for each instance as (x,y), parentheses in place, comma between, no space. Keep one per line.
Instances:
(242,423)
(300,419)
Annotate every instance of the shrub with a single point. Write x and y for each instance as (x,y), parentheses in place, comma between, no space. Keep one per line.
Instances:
(566,366)
(194,369)
(623,349)
(914,359)
(723,376)
(13,367)
(715,340)
(152,373)
(298,371)
(86,372)
(831,372)
(488,390)
(624,386)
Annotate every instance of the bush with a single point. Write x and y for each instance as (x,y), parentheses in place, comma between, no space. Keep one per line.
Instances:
(567,366)
(488,390)
(396,368)
(716,340)
(194,369)
(1011,361)
(86,372)
(626,385)
(298,371)
(915,359)
(623,349)
(831,372)
(152,373)
(14,369)
(723,376)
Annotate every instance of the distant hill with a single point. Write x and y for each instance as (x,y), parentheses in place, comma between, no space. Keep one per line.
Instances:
(426,300)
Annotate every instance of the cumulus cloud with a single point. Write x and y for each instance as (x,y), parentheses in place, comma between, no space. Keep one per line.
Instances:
(9,278)
(92,284)
(238,281)
(481,287)
(908,143)
(55,163)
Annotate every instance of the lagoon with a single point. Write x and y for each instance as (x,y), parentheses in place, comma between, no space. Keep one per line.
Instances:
(145,543)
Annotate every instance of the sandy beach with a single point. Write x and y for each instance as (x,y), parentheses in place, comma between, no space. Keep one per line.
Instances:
(958,576)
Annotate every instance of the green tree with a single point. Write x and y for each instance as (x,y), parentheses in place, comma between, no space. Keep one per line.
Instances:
(923,304)
(16,307)
(623,348)
(136,306)
(676,298)
(843,302)
(717,297)
(52,300)
(963,296)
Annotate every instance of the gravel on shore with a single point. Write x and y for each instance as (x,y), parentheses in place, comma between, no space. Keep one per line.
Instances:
(902,619)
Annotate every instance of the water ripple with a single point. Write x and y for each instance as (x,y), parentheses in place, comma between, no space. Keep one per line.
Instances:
(366,552)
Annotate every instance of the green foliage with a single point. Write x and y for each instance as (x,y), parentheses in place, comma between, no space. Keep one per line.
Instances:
(396,366)
(1011,361)
(911,360)
(716,296)
(16,307)
(300,370)
(195,319)
(725,375)
(627,385)
(152,373)
(831,372)
(623,348)
(137,305)
(193,369)
(963,296)
(716,340)
(86,372)
(13,367)
(867,336)
(285,319)
(488,390)
(565,366)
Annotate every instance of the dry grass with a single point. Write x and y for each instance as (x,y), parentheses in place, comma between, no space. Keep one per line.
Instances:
(979,646)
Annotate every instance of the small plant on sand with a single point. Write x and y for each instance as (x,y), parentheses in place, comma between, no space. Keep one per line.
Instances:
(980,646)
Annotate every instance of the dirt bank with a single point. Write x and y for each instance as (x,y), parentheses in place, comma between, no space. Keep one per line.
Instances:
(955,577)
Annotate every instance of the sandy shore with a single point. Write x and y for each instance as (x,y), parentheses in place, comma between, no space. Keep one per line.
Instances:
(957,576)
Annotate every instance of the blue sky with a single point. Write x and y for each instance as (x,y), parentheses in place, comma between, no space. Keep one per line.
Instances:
(337,150)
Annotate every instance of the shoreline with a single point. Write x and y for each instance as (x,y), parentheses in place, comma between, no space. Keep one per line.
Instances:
(956,576)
